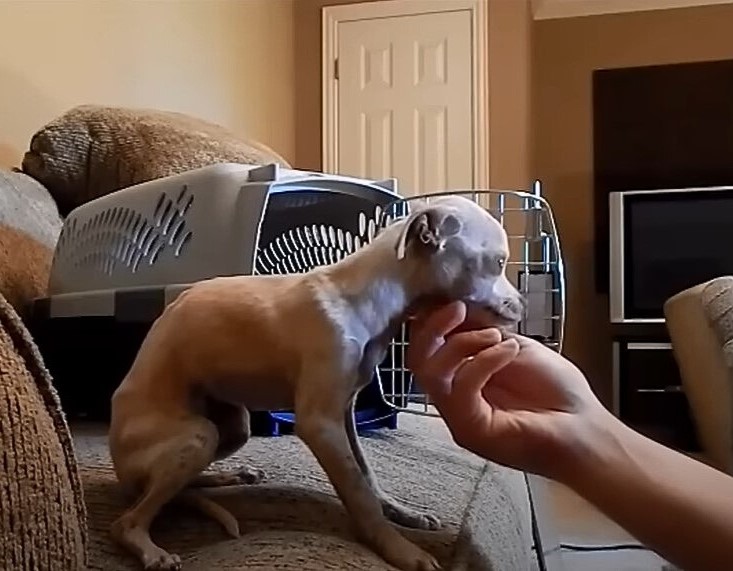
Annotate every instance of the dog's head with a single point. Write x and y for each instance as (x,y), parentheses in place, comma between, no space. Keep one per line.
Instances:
(459,252)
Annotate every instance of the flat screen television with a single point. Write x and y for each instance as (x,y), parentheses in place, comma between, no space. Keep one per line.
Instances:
(662,242)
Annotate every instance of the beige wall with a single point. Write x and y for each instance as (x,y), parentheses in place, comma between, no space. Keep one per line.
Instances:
(229,61)
(509,89)
(564,55)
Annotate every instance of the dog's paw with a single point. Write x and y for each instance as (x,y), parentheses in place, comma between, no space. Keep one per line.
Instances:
(427,521)
(415,559)
(427,563)
(163,562)
(244,475)
(410,518)
(249,475)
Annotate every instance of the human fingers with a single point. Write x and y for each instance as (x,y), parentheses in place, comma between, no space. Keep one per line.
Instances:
(459,347)
(476,373)
(464,408)
(540,357)
(428,331)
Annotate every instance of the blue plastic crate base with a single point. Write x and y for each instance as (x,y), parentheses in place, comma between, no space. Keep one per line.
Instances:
(368,418)
(122,258)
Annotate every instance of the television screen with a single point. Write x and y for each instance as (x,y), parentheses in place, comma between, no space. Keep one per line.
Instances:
(672,241)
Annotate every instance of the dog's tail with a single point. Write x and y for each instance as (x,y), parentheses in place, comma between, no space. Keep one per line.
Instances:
(209,507)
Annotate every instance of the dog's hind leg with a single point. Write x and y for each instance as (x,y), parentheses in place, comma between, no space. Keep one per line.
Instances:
(169,465)
(233,424)
(395,511)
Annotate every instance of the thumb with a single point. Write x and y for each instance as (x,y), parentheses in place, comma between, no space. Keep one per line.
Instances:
(476,373)
(427,333)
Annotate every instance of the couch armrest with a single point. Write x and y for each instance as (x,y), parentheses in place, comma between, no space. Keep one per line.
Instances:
(693,321)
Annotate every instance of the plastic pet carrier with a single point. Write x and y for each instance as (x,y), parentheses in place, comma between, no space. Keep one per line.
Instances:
(122,258)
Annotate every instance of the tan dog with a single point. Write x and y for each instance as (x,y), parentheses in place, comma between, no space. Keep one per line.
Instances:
(304,341)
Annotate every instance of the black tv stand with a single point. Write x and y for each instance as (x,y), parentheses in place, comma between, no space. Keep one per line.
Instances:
(647,388)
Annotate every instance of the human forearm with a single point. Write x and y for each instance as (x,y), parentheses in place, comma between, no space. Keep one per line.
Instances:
(537,412)
(675,505)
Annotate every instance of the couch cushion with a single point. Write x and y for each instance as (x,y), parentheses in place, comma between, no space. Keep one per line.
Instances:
(29,228)
(698,321)
(26,264)
(42,513)
(717,300)
(293,521)
(91,150)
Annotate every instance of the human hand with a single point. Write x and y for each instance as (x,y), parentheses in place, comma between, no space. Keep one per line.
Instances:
(513,401)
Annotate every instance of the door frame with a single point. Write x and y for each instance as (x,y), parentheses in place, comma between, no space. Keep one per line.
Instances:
(332,16)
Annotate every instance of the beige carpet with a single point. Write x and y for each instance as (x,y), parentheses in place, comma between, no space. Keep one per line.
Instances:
(577,522)
(294,521)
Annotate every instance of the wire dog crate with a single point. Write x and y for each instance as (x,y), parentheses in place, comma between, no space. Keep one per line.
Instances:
(535,267)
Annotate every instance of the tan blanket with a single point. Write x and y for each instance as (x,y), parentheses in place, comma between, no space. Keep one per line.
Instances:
(293,521)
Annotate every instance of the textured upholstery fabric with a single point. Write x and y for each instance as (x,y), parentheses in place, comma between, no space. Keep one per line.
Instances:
(700,324)
(293,521)
(29,228)
(42,512)
(90,150)
(717,299)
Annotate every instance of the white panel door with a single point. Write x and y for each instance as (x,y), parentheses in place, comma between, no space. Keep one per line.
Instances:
(404,100)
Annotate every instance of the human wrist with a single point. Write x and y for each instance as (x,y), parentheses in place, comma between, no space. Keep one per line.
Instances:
(599,441)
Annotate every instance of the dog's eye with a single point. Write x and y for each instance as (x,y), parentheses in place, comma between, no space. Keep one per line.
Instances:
(494,263)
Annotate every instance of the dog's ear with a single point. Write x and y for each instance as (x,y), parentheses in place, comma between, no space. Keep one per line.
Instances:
(430,226)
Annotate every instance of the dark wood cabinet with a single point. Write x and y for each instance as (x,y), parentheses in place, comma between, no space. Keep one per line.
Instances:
(648,392)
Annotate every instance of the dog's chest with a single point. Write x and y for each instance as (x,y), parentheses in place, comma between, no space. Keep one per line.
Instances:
(373,354)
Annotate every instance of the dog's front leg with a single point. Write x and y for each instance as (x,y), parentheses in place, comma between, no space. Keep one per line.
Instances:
(320,424)
(398,513)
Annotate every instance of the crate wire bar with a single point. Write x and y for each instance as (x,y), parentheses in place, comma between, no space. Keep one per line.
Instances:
(535,267)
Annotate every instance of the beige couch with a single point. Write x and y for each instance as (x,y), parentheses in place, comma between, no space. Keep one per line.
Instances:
(700,324)
(58,495)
